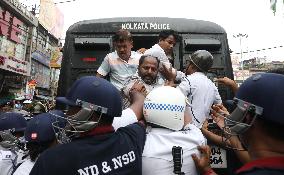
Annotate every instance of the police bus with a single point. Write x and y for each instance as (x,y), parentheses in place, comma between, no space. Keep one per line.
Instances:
(88,42)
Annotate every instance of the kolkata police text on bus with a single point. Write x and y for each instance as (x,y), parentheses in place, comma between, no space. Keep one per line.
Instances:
(145,26)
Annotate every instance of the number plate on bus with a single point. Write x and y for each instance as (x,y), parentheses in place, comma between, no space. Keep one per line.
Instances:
(218,157)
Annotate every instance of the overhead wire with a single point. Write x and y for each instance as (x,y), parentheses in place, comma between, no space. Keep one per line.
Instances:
(259,50)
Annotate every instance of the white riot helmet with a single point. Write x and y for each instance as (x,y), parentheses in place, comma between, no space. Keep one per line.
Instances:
(164,106)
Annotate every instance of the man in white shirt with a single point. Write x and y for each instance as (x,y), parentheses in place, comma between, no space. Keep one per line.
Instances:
(163,50)
(171,138)
(200,91)
(121,64)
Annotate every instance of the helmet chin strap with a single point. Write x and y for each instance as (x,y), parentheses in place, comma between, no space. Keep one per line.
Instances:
(197,65)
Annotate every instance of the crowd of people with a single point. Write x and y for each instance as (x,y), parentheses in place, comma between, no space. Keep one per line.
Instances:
(27,106)
(148,118)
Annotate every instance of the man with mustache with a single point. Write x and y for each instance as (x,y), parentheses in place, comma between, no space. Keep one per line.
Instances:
(147,74)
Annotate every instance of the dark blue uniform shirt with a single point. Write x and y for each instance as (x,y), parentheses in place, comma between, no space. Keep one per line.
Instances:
(114,153)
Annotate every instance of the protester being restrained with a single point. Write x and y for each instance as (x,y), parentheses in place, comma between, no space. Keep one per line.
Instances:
(146,74)
(121,64)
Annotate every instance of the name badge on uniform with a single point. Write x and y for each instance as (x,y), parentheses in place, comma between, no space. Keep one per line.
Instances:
(6,155)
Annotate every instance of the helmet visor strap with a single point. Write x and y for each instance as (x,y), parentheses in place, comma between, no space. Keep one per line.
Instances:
(232,142)
(191,61)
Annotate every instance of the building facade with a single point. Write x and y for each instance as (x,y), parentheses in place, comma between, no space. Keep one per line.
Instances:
(16,26)
(26,49)
(44,46)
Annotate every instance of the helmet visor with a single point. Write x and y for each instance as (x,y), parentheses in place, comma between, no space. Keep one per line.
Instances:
(236,124)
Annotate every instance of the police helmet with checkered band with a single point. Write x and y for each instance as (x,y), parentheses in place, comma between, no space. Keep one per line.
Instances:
(165,106)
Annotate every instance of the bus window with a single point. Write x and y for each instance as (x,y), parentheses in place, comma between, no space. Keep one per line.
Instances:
(144,41)
(89,51)
(202,44)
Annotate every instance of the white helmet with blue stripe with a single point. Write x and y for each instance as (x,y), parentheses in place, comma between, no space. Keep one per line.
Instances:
(165,106)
